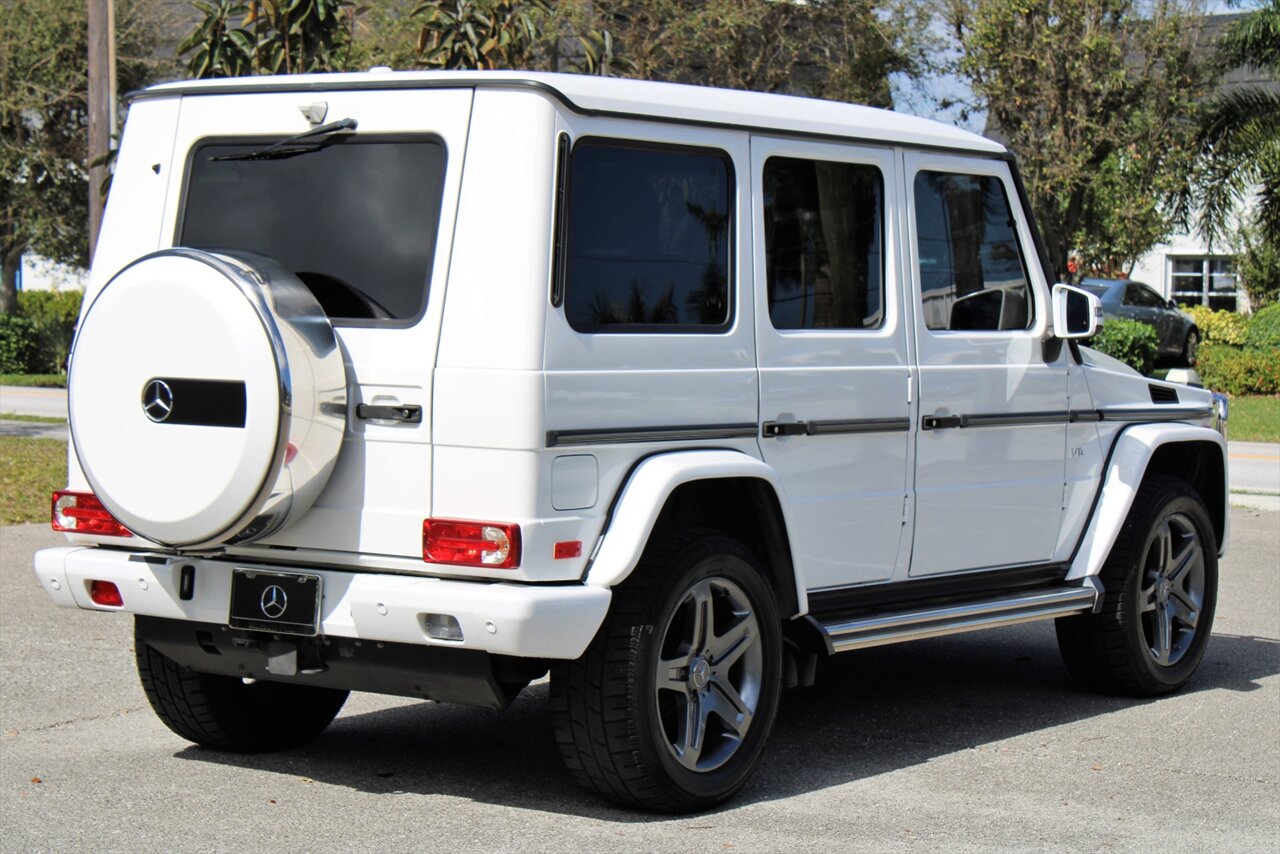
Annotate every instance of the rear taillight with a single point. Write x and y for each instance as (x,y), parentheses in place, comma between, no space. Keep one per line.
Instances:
(83,513)
(488,544)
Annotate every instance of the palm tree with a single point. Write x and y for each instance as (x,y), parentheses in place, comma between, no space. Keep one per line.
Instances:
(1239,135)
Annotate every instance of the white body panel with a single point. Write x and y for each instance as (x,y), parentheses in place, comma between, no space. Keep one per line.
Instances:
(504,619)
(647,491)
(1133,450)
(848,489)
(989,496)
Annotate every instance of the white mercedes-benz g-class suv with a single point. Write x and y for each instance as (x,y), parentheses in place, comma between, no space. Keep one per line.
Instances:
(430,383)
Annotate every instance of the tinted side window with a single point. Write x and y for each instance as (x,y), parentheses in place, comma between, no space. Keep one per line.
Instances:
(355,221)
(972,274)
(824,244)
(1141,295)
(648,238)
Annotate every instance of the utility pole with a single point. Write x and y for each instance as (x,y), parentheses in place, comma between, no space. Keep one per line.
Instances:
(102,105)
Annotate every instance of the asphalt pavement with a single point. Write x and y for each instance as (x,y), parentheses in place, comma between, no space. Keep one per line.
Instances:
(972,743)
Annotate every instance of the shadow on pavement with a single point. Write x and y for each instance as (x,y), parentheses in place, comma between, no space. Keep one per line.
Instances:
(871,712)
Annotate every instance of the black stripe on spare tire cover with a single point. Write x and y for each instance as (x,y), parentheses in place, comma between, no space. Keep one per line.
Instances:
(207,403)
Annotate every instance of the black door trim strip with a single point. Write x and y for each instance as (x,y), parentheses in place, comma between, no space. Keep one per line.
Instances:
(627,435)
(1075,416)
(1164,413)
(1001,419)
(775,429)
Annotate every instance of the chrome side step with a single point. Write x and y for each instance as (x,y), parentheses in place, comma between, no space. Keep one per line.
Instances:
(844,634)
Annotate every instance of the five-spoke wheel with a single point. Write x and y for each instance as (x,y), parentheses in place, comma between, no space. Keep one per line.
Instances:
(1172,593)
(709,673)
(670,706)
(1161,585)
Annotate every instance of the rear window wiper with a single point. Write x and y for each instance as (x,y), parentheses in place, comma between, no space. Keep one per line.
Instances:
(313,140)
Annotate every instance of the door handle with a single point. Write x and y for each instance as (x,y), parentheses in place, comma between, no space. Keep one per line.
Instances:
(774,429)
(406,413)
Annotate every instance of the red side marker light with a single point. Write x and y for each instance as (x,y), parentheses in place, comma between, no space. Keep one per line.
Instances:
(572,548)
(83,513)
(105,593)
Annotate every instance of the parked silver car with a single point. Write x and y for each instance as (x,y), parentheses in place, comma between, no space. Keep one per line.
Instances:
(1176,331)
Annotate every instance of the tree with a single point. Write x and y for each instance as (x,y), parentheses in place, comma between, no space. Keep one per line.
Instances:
(479,34)
(1092,96)
(546,35)
(385,34)
(1239,136)
(240,37)
(44,124)
(839,49)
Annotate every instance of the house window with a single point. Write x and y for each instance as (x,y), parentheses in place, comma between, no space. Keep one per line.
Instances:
(1204,281)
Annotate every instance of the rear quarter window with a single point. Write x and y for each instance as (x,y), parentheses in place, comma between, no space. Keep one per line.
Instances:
(648,238)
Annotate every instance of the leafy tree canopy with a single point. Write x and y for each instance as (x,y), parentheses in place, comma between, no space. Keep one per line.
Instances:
(1239,138)
(239,37)
(44,193)
(1093,96)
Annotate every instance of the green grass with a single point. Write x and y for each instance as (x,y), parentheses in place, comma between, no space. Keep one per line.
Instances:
(40,380)
(34,419)
(30,470)
(1254,419)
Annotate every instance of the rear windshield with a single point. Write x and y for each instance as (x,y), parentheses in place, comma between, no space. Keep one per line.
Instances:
(355,221)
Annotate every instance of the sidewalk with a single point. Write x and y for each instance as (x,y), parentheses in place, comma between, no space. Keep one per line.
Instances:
(1254,469)
(49,402)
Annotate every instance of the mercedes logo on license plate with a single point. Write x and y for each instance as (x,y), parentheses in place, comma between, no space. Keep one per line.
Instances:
(274,601)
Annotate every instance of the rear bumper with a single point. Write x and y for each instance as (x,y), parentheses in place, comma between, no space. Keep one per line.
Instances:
(524,620)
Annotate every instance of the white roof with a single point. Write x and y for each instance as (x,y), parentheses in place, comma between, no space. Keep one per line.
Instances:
(642,98)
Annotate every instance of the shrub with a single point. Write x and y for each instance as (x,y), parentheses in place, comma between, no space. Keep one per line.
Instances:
(54,315)
(1264,329)
(1237,372)
(1219,327)
(17,344)
(1129,341)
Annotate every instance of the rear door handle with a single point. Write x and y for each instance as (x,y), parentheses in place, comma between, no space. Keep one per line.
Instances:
(408,413)
(774,429)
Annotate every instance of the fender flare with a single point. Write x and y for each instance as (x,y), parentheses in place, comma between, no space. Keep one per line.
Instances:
(645,493)
(1126,468)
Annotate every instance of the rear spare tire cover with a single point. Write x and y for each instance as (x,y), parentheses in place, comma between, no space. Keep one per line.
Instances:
(206,397)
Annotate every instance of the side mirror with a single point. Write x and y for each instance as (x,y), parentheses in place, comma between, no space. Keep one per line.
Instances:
(1076,313)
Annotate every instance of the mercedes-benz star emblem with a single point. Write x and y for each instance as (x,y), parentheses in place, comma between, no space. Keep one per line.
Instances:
(157,400)
(273,602)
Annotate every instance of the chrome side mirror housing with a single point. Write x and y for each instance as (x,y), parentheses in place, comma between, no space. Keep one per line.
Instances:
(1076,313)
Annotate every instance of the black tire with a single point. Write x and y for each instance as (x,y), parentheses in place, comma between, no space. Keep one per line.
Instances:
(619,730)
(1161,583)
(1190,347)
(227,713)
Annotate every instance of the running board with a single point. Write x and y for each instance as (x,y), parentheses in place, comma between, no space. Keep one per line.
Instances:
(844,634)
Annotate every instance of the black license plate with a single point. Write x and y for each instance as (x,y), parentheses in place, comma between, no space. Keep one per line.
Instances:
(282,602)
